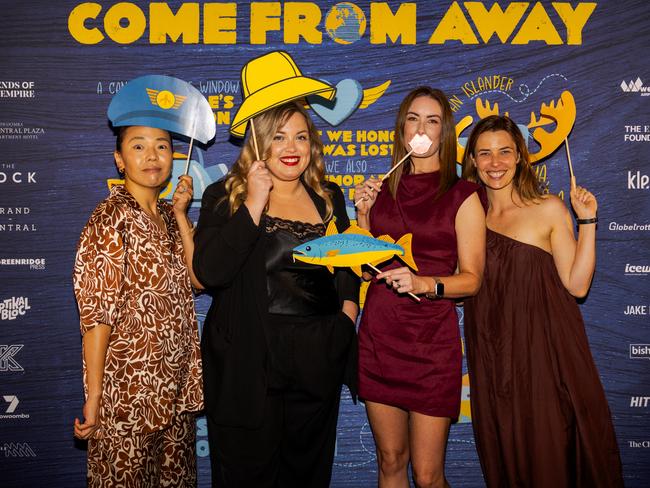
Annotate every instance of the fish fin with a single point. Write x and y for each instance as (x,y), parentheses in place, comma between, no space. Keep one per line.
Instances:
(356,270)
(331,268)
(405,241)
(331,229)
(386,238)
(332,252)
(355,229)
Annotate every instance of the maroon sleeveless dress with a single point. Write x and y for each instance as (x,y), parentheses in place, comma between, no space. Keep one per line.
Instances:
(409,352)
(539,412)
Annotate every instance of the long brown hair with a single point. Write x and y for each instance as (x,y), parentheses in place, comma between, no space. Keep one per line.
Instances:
(266,126)
(525,182)
(446,151)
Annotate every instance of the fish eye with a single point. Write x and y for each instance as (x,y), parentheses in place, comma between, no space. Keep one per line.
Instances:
(308,248)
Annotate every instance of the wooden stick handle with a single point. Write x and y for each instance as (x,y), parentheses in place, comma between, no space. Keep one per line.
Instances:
(189,152)
(379,271)
(568,154)
(189,157)
(397,165)
(391,170)
(257,151)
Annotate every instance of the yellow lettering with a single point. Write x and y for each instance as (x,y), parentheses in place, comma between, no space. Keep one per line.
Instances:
(135,28)
(338,179)
(397,25)
(574,20)
(334,135)
(220,23)
(455,103)
(537,27)
(453,27)
(265,16)
(496,21)
(301,19)
(77,20)
(163,22)
(223,118)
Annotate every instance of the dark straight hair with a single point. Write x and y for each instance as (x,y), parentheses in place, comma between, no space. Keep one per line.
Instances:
(446,151)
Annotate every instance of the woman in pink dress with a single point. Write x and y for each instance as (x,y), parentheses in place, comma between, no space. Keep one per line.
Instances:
(410,351)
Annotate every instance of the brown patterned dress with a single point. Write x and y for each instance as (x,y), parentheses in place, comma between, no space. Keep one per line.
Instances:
(132,276)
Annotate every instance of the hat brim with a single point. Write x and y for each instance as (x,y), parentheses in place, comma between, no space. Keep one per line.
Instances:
(178,126)
(275,95)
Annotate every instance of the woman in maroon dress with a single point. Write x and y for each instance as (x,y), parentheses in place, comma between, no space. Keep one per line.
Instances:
(539,412)
(409,351)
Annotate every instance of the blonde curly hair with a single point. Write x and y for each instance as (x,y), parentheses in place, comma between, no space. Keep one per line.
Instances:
(266,126)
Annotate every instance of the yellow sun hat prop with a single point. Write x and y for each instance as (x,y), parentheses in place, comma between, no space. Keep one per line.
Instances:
(269,81)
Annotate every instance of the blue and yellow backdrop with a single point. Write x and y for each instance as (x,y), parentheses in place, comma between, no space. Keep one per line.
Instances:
(556,67)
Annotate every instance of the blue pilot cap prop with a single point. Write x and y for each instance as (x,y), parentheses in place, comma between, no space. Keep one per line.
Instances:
(163,102)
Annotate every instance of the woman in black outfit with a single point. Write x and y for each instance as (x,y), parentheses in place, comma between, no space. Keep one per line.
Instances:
(279,339)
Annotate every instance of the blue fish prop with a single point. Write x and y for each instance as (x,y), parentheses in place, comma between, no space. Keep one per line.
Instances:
(354,248)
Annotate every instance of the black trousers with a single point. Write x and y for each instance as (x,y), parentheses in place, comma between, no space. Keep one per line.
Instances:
(294,446)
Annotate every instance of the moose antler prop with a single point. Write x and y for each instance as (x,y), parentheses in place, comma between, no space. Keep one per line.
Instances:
(561,113)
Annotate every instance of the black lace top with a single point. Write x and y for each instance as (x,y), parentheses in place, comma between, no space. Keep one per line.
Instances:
(296,288)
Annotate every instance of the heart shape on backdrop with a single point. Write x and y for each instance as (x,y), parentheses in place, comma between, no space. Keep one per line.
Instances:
(349,94)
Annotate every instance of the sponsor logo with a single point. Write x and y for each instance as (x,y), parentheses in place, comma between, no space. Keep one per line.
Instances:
(11,308)
(8,354)
(33,263)
(9,217)
(639,351)
(636,270)
(636,310)
(637,133)
(635,87)
(639,444)
(17,89)
(13,402)
(637,181)
(18,131)
(640,401)
(10,175)
(615,226)
(17,449)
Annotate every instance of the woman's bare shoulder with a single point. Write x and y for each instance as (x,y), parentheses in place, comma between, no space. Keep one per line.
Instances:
(551,208)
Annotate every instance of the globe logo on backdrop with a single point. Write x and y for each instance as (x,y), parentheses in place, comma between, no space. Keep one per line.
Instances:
(345,23)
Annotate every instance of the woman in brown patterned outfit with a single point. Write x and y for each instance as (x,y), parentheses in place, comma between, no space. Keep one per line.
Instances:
(141,359)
